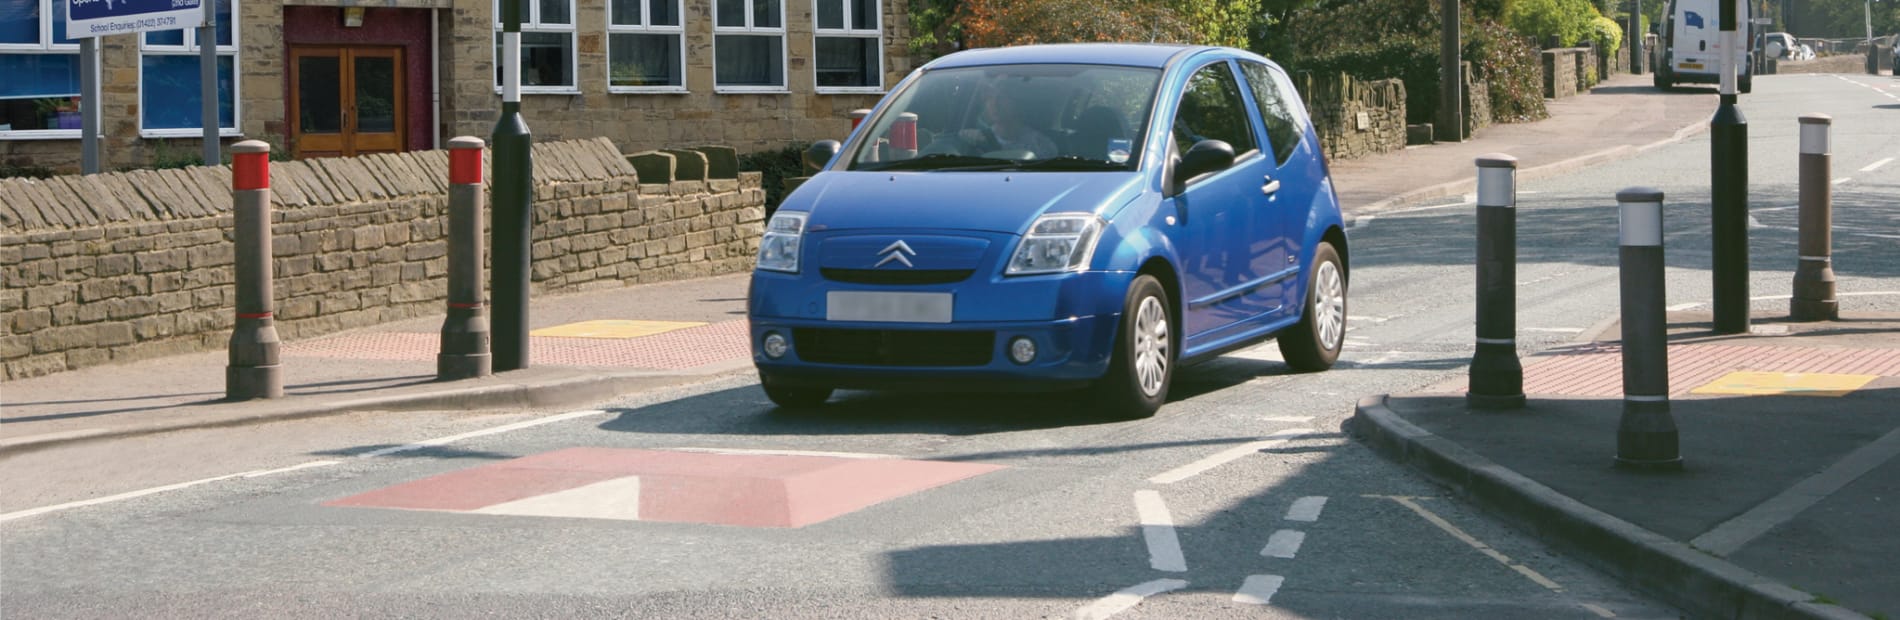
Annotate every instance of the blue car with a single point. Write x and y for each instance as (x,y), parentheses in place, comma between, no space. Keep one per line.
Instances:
(1055,217)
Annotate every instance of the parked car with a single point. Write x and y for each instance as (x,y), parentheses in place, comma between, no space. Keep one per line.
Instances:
(1078,216)
(1779,45)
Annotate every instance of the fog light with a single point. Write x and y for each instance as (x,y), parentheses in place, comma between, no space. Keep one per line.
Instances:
(1022,350)
(775,345)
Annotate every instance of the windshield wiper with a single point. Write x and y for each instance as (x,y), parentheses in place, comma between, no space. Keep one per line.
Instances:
(941,161)
(1071,163)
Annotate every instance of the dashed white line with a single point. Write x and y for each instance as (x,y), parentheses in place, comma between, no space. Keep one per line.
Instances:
(1126,598)
(1555,330)
(1157,529)
(1842,180)
(1876,165)
(1218,459)
(1284,544)
(1306,508)
(1259,589)
(1684,306)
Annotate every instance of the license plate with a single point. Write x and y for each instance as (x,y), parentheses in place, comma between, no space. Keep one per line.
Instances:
(1690,65)
(888,307)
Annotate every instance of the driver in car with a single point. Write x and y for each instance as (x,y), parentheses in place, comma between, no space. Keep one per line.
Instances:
(1009,129)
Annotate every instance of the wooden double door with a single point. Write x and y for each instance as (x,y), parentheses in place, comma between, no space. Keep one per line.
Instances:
(346,100)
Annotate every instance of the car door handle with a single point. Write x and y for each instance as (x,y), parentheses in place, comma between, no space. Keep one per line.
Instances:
(1273,185)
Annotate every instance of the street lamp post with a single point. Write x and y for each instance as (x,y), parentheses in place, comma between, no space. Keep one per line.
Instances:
(510,236)
(1729,188)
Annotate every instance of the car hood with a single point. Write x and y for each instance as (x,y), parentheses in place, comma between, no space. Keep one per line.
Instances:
(1004,202)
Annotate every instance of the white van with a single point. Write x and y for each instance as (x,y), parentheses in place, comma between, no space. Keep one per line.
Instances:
(1692,44)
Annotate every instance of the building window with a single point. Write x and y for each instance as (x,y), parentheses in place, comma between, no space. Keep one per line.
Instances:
(170,104)
(848,46)
(748,46)
(547,47)
(646,46)
(39,95)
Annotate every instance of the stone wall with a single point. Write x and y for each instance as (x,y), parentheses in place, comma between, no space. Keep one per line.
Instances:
(1477,102)
(126,266)
(1560,73)
(1354,118)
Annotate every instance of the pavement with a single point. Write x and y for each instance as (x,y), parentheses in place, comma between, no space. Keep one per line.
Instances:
(1751,459)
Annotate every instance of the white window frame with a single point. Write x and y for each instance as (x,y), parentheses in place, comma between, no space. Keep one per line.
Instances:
(847,32)
(45,46)
(190,48)
(784,52)
(646,27)
(533,24)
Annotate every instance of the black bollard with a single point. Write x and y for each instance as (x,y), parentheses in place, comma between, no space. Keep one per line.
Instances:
(253,371)
(1646,434)
(1497,377)
(1814,277)
(465,335)
(1728,182)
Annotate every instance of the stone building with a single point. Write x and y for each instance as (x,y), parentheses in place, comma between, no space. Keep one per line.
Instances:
(336,77)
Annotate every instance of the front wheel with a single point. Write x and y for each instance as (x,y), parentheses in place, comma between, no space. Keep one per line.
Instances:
(1313,344)
(1143,363)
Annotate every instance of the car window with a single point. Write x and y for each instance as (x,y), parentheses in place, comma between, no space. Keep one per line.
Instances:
(1028,117)
(1212,109)
(1276,109)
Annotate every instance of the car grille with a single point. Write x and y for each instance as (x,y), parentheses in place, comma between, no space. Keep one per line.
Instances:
(889,347)
(896,276)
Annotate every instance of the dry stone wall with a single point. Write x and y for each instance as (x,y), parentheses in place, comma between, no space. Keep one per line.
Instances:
(1354,118)
(134,265)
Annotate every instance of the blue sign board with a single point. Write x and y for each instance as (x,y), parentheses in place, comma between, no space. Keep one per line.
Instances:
(94,18)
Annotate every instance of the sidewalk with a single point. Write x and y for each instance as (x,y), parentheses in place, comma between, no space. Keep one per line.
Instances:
(1790,475)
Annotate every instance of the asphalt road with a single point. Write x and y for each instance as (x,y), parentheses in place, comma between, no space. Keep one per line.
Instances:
(1242,498)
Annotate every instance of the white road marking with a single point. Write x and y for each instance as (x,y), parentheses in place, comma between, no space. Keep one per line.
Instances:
(1290,419)
(439,441)
(21,514)
(1876,165)
(618,498)
(1363,221)
(1306,508)
(1157,529)
(30,512)
(770,452)
(1259,589)
(1842,180)
(1127,598)
(1218,459)
(1731,535)
(1599,611)
(1485,549)
(1554,330)
(1284,544)
(1853,294)
(1684,306)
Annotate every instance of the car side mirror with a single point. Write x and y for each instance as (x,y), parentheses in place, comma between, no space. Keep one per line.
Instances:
(1204,157)
(819,154)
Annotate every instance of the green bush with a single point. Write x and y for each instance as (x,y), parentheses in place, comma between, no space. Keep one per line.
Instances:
(1509,65)
(1512,69)
(1570,21)
(1413,60)
(1606,34)
(775,166)
(10,171)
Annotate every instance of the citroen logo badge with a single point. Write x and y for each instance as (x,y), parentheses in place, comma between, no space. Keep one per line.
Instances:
(896,252)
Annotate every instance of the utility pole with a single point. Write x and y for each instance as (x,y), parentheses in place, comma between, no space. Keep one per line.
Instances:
(513,199)
(1451,72)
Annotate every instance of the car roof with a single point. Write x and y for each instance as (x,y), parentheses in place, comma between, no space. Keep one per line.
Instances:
(1156,55)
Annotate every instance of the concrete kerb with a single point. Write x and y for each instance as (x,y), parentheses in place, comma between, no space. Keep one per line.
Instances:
(494,392)
(1466,186)
(1672,571)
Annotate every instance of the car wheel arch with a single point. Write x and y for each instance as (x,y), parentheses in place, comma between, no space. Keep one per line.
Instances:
(1164,272)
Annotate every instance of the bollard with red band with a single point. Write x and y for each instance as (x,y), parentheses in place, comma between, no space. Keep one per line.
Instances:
(253,371)
(857,118)
(904,136)
(465,335)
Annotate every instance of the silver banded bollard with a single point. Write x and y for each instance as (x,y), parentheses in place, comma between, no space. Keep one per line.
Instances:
(1814,278)
(465,333)
(1497,377)
(253,371)
(1646,434)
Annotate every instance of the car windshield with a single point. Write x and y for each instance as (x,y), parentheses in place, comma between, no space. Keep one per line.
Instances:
(1031,117)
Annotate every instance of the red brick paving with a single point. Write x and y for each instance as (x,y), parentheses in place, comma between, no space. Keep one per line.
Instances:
(1597,370)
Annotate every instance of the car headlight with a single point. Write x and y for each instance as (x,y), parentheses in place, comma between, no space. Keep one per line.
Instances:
(1056,242)
(778,250)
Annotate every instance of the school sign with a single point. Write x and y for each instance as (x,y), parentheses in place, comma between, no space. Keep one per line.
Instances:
(94,18)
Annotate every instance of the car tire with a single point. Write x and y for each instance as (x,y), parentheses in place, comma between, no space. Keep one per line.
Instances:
(795,398)
(1142,366)
(1313,344)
